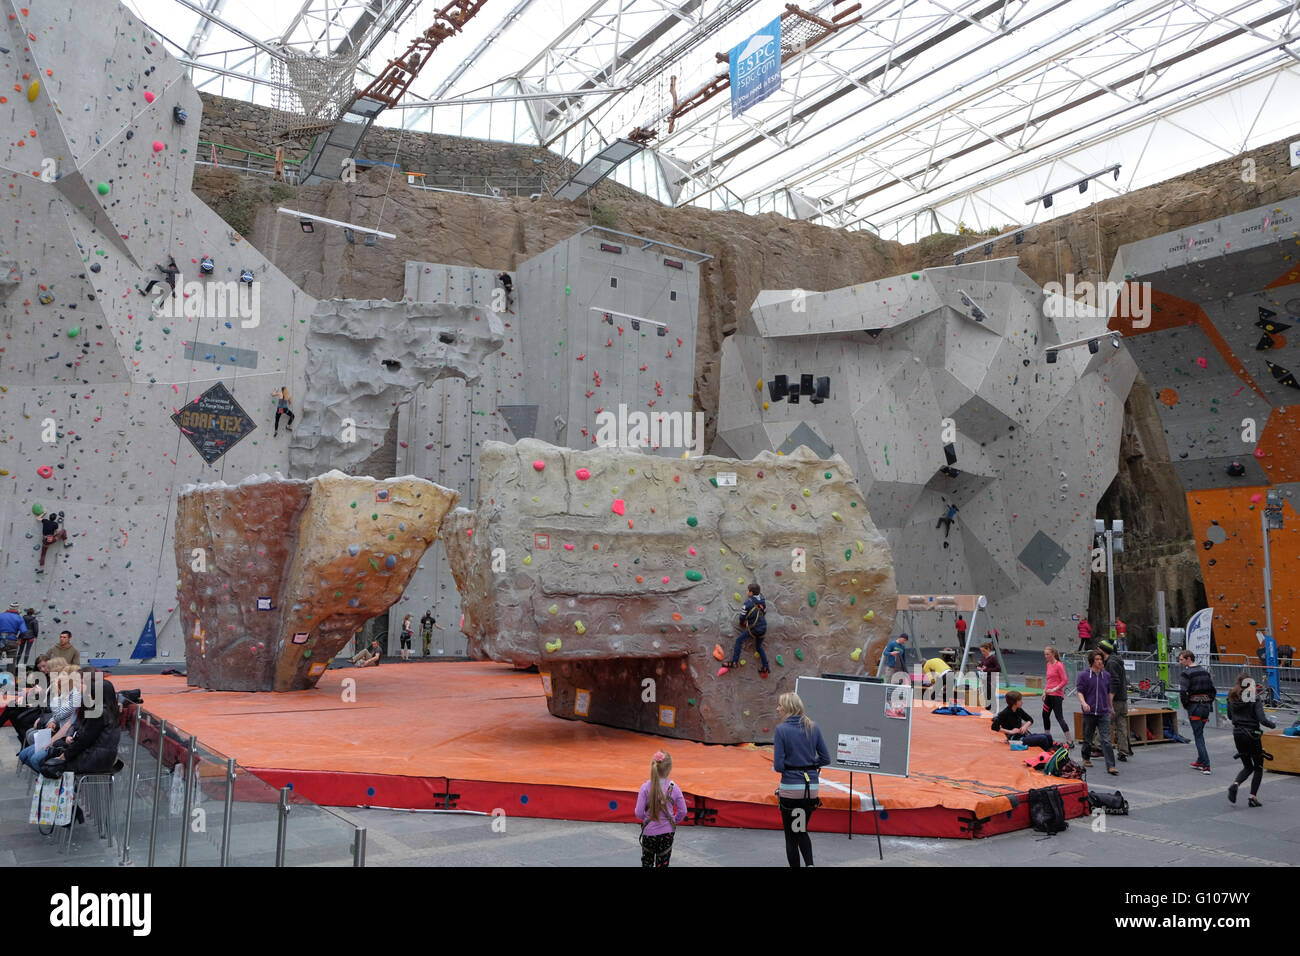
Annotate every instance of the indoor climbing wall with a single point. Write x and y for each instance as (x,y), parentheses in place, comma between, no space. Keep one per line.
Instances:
(606,320)
(622,576)
(100,128)
(1220,357)
(951,356)
(441,431)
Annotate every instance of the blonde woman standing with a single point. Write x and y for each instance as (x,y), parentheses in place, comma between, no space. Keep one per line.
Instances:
(799,752)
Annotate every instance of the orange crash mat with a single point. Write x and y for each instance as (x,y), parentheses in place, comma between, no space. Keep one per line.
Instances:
(488,722)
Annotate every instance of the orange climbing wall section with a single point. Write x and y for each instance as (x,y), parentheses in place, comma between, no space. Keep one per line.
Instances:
(415,732)
(1233,570)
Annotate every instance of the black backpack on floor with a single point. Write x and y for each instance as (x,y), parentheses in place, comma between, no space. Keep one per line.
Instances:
(1047,810)
(1108,802)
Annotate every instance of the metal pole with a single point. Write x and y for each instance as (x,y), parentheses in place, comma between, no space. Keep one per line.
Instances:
(359,847)
(1110,578)
(157,789)
(130,793)
(850,804)
(875,812)
(282,826)
(225,817)
(189,801)
(1268,573)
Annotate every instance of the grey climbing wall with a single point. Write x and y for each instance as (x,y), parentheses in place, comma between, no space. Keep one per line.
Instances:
(1036,444)
(86,352)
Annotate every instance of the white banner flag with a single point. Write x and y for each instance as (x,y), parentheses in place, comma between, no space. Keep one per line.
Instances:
(1198,634)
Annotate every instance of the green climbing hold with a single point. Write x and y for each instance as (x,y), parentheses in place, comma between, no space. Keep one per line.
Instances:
(812,598)
(713,482)
(306,653)
(354,504)
(852,600)
(103,189)
(568,290)
(853,504)
(798,652)
(374,564)
(691,701)
(38,509)
(827,475)
(780,660)
(374,517)
(916,275)
(692,521)
(694,576)
(848,553)
(74,332)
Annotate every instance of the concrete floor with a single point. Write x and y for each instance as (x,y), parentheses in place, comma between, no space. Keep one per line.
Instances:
(1177,818)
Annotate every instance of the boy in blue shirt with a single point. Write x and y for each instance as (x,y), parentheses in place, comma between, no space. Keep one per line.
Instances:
(753,623)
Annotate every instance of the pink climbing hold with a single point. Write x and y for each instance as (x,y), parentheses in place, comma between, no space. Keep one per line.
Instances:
(538,465)
(1203,363)
(582,474)
(148,97)
(665,579)
(568,547)
(618,507)
(157,146)
(1256,498)
(45,471)
(692,551)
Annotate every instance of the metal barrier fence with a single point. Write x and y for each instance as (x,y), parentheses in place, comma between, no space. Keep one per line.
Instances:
(187,805)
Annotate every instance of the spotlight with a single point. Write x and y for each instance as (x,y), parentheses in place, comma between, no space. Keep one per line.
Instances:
(306,225)
(372,239)
(1083,186)
(1094,346)
(1047,202)
(661,331)
(988,248)
(636,325)
(609,319)
(960,259)
(1020,237)
(179,115)
(1051,356)
(1117,173)
(1114,340)
(349,235)
(534,197)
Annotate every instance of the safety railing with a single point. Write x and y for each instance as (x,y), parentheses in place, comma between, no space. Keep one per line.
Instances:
(244,160)
(180,803)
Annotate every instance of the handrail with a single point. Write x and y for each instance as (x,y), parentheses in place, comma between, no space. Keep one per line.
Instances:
(249,152)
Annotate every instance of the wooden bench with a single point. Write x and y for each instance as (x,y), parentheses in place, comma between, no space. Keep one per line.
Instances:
(1285,751)
(1140,720)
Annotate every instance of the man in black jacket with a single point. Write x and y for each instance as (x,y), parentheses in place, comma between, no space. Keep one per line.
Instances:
(1198,696)
(92,746)
(1119,730)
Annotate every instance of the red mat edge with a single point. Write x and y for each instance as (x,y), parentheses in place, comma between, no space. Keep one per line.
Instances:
(586,804)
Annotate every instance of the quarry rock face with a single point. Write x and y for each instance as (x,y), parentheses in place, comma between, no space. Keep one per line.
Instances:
(618,573)
(278,575)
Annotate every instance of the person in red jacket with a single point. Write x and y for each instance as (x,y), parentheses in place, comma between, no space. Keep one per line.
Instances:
(1085,635)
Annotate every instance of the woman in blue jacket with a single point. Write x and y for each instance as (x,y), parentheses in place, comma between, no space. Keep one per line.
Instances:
(799,752)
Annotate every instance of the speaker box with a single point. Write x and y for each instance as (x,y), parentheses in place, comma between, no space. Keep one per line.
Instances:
(805,384)
(824,387)
(794,396)
(777,387)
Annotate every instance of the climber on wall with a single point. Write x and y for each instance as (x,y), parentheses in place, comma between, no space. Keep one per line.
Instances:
(282,400)
(51,532)
(169,276)
(509,286)
(946,519)
(752,623)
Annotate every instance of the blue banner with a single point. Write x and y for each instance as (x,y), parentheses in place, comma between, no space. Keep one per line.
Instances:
(756,68)
(147,646)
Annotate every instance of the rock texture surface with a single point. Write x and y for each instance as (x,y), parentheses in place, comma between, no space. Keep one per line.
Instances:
(619,572)
(277,575)
(364,358)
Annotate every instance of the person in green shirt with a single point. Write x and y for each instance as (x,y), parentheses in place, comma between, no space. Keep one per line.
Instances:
(64,650)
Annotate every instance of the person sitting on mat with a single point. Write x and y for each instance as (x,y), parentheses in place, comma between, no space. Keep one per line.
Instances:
(1013,723)
(368,657)
(752,623)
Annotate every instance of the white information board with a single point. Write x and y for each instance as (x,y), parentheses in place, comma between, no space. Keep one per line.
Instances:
(867,726)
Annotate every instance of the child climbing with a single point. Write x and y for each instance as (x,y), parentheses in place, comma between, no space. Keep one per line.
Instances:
(51,532)
(660,806)
(752,623)
(946,519)
(281,396)
(169,276)
(508,284)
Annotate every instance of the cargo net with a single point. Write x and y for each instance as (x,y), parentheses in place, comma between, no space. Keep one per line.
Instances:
(311,93)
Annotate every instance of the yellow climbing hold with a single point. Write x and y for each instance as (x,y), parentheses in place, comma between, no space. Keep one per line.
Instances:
(528,559)
(856,655)
(553,646)
(737,596)
(836,516)
(582,628)
(759,386)
(553,609)
(722,550)
(859,544)
(766,406)
(806,492)
(869,616)
(33,91)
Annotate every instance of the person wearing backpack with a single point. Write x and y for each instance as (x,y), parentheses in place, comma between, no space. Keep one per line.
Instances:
(798,754)
(660,806)
(1246,711)
(1198,696)
(753,623)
